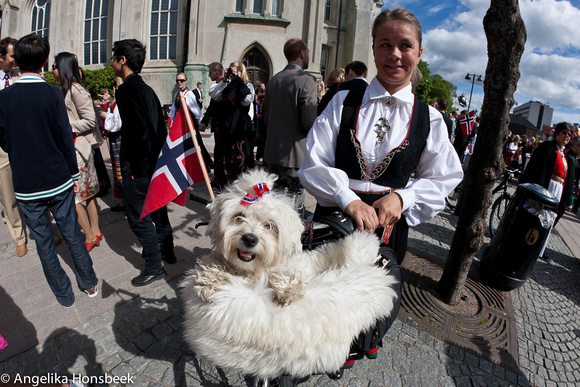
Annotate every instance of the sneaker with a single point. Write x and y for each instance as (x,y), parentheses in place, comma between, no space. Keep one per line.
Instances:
(92,291)
(70,306)
(21,250)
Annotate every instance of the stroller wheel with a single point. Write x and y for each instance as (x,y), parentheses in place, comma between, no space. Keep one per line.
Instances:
(336,374)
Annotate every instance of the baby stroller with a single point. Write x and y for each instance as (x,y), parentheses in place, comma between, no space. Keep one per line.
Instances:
(342,317)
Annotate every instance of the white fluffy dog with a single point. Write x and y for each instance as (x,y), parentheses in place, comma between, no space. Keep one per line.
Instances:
(261,305)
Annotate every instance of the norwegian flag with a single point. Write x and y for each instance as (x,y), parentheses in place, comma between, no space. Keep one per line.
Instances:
(466,123)
(178,167)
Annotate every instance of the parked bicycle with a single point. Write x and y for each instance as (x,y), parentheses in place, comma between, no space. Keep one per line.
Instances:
(501,204)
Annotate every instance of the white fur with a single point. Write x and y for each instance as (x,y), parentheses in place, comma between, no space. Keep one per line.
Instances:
(286,311)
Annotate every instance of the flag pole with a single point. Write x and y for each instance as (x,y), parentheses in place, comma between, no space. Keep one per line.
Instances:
(196,145)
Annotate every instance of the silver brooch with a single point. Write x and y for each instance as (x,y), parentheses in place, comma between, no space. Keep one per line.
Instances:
(381,128)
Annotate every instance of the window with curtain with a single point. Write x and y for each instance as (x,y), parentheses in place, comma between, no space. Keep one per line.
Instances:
(40,18)
(95,39)
(163,34)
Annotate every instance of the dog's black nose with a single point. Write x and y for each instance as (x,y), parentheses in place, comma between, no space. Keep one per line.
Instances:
(249,240)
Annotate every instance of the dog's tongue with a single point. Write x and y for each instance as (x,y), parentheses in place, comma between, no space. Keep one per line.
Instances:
(245,256)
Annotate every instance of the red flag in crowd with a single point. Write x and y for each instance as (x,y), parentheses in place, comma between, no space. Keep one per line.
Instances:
(178,167)
(466,123)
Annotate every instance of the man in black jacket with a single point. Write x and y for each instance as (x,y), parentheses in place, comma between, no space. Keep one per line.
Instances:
(442,106)
(355,73)
(143,134)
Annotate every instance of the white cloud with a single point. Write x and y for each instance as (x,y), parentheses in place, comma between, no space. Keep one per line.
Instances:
(551,25)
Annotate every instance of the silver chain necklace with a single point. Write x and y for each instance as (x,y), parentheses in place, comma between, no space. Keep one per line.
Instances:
(381,128)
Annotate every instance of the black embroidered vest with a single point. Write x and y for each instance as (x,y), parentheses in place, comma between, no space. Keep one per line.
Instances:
(402,164)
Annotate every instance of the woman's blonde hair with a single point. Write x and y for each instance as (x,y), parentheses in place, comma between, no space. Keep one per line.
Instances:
(322,89)
(241,71)
(336,75)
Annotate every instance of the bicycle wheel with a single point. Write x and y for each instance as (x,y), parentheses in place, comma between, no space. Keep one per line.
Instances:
(452,198)
(497,212)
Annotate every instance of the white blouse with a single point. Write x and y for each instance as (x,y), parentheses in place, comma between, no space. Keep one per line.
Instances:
(192,105)
(438,172)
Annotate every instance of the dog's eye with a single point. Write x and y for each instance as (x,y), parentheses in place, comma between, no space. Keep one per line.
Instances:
(239,219)
(269,226)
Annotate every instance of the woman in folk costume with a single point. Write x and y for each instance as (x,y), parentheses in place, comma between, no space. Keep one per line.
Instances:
(82,117)
(381,135)
(547,166)
(111,119)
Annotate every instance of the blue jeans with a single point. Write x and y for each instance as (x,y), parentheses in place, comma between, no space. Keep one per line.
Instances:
(62,207)
(154,230)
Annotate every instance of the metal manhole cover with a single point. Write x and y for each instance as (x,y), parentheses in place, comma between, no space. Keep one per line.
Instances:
(489,333)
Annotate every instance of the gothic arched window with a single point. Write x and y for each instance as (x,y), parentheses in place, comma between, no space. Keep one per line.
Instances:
(40,18)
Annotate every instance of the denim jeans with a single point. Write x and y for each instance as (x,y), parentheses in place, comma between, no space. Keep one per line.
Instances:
(154,230)
(62,207)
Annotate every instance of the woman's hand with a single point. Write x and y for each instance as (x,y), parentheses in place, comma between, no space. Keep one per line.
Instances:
(364,215)
(389,209)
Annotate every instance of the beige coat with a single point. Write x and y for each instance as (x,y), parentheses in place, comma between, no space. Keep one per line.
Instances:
(83,119)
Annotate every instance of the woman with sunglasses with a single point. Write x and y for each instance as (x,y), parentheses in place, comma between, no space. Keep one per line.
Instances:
(82,117)
(548,167)
(194,112)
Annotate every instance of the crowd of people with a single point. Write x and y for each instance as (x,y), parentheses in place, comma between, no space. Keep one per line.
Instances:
(351,143)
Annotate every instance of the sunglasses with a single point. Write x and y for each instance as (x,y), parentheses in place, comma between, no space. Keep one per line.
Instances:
(54,67)
(181,80)
(568,134)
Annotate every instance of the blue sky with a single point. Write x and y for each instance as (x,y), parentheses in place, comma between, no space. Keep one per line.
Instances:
(455,44)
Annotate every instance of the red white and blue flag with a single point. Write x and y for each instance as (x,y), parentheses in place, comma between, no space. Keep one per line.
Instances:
(178,167)
(466,123)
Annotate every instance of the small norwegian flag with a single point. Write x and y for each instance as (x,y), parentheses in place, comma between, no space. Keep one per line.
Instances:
(466,123)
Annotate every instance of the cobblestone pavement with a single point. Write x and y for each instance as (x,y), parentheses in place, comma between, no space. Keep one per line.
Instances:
(140,341)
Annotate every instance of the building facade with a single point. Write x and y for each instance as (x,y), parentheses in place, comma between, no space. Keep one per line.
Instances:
(187,35)
(538,114)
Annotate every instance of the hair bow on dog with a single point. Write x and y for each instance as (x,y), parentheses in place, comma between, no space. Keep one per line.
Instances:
(260,190)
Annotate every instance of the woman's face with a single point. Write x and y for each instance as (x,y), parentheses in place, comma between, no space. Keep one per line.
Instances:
(397,52)
(55,72)
(563,137)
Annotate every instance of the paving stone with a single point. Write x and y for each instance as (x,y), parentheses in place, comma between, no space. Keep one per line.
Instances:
(112,361)
(161,330)
(400,366)
(140,362)
(155,370)
(391,379)
(409,380)
(144,340)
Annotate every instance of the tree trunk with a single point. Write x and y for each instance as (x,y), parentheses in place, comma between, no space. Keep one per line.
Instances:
(506,35)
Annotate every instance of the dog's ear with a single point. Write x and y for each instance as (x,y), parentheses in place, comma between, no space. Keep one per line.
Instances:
(291,229)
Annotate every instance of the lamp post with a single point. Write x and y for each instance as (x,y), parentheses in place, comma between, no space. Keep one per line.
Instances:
(472,77)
